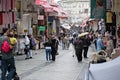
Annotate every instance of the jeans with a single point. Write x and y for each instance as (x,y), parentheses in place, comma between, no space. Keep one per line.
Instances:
(27,51)
(4,67)
(85,51)
(63,45)
(48,53)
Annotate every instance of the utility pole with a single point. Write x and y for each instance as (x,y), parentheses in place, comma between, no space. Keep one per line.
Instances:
(21,13)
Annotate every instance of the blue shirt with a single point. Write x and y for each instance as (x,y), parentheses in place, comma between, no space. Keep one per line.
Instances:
(100,44)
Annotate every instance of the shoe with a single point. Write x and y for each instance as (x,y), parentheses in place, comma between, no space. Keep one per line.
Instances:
(49,61)
(53,60)
(86,57)
(30,57)
(26,58)
(72,55)
(79,61)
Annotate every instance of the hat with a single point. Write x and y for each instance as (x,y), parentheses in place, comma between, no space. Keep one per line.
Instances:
(83,34)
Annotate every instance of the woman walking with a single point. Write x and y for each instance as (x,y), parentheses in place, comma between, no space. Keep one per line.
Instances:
(48,49)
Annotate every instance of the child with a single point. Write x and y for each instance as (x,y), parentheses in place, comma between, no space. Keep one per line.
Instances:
(13,40)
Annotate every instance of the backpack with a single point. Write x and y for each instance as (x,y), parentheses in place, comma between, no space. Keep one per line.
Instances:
(32,42)
(5,47)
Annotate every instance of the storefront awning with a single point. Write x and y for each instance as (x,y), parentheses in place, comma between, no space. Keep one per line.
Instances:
(44,4)
(57,9)
(63,16)
(61,13)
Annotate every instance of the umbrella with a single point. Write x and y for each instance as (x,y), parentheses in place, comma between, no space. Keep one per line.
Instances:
(66,26)
(83,34)
(91,19)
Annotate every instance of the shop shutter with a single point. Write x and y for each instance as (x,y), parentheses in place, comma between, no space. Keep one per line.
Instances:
(1,19)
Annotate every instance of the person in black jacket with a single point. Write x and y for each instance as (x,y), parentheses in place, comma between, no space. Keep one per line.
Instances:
(86,44)
(54,48)
(48,48)
(78,48)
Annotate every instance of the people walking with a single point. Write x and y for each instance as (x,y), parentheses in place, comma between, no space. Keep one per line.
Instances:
(32,44)
(7,57)
(27,47)
(63,43)
(78,49)
(86,44)
(56,44)
(13,41)
(54,50)
(48,49)
(67,42)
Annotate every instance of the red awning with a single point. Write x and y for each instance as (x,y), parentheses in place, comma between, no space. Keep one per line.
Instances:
(45,4)
(57,9)
(63,16)
(40,2)
(61,13)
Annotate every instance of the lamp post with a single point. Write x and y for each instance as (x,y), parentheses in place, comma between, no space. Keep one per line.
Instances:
(21,13)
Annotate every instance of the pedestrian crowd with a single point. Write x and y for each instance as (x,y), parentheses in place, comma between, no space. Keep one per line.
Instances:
(8,46)
(81,44)
(105,42)
(51,47)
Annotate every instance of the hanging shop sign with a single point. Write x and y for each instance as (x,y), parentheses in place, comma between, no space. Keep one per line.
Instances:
(41,28)
(98,8)
(40,17)
(108,4)
(109,17)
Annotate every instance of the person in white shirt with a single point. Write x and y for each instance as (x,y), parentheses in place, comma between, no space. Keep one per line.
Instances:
(27,46)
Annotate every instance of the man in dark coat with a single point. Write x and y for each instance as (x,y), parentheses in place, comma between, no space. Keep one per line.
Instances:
(86,44)
(54,48)
(78,49)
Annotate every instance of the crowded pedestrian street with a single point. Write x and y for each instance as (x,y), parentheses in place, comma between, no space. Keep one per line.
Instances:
(65,67)
(59,39)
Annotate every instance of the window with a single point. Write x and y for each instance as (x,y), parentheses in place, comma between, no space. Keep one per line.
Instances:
(85,10)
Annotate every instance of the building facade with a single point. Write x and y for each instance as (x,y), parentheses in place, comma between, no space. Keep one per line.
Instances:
(7,14)
(77,10)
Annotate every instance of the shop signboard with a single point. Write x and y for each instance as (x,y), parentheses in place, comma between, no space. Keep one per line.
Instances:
(41,28)
(40,17)
(98,8)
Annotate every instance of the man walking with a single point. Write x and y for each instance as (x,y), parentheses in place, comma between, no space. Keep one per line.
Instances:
(86,44)
(78,49)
